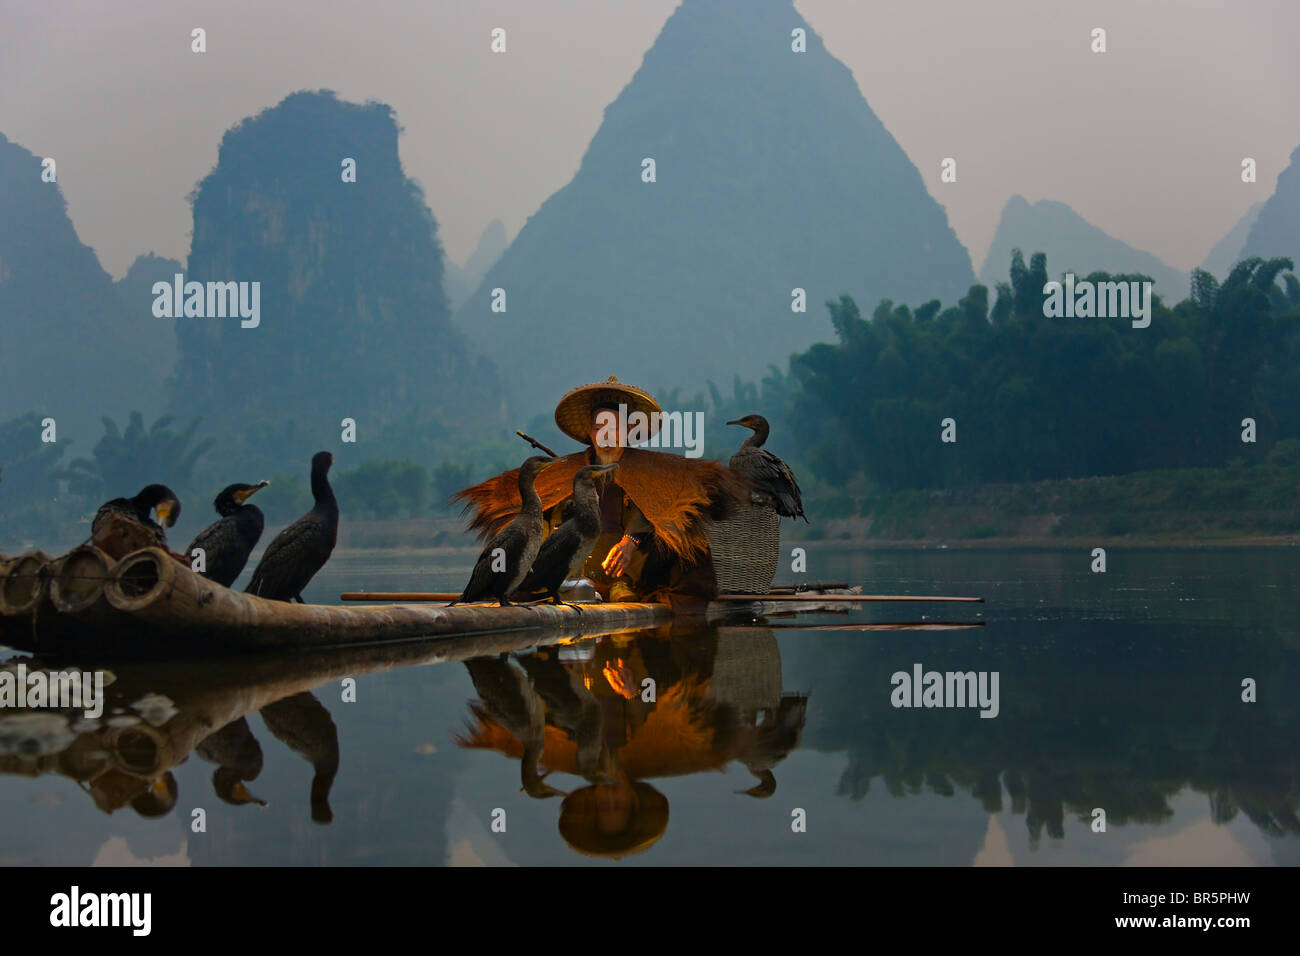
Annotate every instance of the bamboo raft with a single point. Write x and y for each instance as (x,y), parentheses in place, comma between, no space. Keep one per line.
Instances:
(151,604)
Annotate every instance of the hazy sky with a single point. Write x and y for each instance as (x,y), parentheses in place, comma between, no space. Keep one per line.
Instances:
(1145,141)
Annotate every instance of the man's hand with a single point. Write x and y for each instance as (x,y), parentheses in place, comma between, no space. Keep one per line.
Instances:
(616,561)
(619,678)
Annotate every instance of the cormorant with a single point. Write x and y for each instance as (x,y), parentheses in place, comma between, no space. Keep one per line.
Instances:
(509,555)
(769,475)
(238,757)
(228,542)
(124,525)
(300,550)
(303,724)
(509,699)
(566,548)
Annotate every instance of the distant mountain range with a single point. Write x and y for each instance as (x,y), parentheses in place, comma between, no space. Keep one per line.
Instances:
(1072,244)
(1276,231)
(1227,252)
(75,346)
(771,173)
(459,282)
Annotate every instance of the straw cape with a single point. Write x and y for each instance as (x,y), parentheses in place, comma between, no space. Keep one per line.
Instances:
(680,497)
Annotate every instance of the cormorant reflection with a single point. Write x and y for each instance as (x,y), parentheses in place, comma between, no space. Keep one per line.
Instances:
(618,711)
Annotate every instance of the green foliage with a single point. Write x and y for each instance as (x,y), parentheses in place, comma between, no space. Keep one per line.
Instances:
(28,478)
(287,498)
(448,479)
(125,460)
(1286,453)
(1041,398)
(383,489)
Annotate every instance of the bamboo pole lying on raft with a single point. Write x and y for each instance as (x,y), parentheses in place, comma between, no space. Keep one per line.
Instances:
(880,626)
(23,584)
(803,597)
(806,598)
(414,596)
(168,598)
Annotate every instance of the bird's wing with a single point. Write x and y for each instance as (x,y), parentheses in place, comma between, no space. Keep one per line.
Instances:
(551,566)
(484,579)
(775,476)
(212,538)
(291,559)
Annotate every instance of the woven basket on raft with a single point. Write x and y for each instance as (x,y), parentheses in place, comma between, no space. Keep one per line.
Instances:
(746,548)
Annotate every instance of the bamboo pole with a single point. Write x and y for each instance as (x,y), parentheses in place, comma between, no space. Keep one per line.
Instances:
(196,615)
(412,596)
(23,584)
(806,598)
(803,597)
(880,626)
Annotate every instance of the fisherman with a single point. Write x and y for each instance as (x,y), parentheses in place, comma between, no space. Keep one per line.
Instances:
(655,509)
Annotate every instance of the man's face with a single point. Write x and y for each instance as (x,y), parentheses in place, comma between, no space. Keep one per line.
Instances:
(604,431)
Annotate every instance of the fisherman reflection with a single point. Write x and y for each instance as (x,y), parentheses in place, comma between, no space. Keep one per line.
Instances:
(716,699)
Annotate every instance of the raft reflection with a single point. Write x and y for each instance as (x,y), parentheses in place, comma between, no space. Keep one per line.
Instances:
(1127,717)
(620,711)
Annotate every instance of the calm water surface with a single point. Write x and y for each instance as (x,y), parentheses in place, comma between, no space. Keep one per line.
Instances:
(1119,691)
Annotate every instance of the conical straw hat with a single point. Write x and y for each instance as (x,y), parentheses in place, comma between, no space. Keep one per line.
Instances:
(573,413)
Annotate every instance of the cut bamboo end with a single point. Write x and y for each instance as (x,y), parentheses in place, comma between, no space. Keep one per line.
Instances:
(22,585)
(77,579)
(139,750)
(140,579)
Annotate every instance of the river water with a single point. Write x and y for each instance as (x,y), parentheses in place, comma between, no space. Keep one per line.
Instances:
(1120,737)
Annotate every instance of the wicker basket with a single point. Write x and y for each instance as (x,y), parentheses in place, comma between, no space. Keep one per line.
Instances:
(746,549)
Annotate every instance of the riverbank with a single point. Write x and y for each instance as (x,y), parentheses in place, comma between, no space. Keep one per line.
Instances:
(1196,507)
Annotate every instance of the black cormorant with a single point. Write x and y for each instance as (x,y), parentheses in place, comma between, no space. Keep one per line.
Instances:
(509,555)
(769,475)
(124,525)
(228,542)
(509,699)
(300,550)
(566,548)
(303,724)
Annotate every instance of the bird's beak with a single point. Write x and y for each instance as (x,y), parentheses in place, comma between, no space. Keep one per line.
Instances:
(738,421)
(240,793)
(242,496)
(166,513)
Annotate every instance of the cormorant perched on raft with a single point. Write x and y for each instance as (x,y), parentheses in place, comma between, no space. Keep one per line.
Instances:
(124,525)
(769,475)
(228,542)
(510,554)
(300,550)
(565,549)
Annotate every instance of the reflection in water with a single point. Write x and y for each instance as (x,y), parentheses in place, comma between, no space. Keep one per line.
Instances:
(238,757)
(1130,714)
(619,711)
